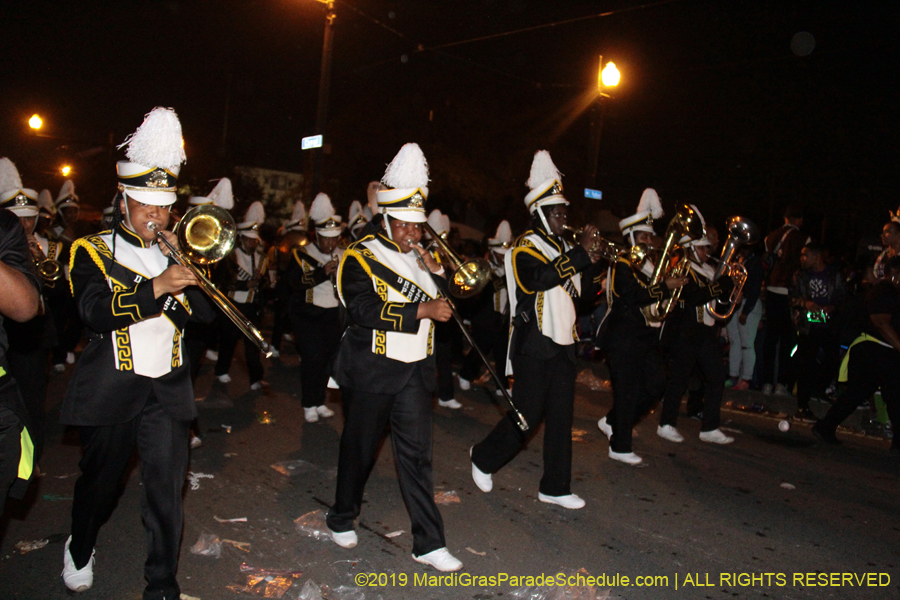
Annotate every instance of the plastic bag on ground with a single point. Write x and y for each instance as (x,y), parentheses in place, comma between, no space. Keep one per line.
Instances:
(269,583)
(313,525)
(310,591)
(208,545)
(446,498)
(347,570)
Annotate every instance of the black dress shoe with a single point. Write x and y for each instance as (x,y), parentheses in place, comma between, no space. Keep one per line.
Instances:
(827,437)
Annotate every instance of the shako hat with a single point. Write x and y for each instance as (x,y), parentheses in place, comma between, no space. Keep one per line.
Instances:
(356,218)
(45,204)
(221,195)
(155,154)
(321,213)
(298,218)
(407,180)
(545,183)
(502,239)
(439,222)
(19,200)
(687,241)
(256,216)
(648,210)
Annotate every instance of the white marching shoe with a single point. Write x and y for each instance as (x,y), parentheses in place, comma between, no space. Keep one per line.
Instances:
(224,378)
(629,458)
(465,384)
(484,481)
(605,427)
(311,414)
(345,539)
(715,437)
(440,559)
(668,432)
(572,501)
(212,355)
(324,412)
(77,580)
(451,403)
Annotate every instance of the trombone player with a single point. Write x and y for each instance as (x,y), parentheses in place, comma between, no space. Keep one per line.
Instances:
(132,386)
(546,278)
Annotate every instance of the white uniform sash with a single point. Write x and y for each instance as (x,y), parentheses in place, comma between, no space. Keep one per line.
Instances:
(706,272)
(323,294)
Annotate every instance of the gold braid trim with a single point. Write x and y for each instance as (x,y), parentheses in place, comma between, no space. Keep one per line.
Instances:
(94,247)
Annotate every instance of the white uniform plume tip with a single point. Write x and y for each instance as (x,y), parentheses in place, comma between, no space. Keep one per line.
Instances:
(542,169)
(222,195)
(9,176)
(45,200)
(256,213)
(436,222)
(504,233)
(321,209)
(158,141)
(408,170)
(650,201)
(299,214)
(355,211)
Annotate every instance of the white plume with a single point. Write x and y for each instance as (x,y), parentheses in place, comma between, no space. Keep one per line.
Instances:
(409,169)
(355,211)
(67,191)
(372,195)
(650,201)
(504,233)
(45,200)
(256,213)
(9,176)
(157,142)
(299,214)
(542,169)
(321,209)
(436,222)
(367,213)
(221,195)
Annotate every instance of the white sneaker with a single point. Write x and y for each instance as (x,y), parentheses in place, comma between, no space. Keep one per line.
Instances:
(440,559)
(569,501)
(465,384)
(311,414)
(275,353)
(345,539)
(668,432)
(715,437)
(258,385)
(195,442)
(629,458)
(451,403)
(212,355)
(77,580)
(484,481)
(60,368)
(226,378)
(70,358)
(605,427)
(324,411)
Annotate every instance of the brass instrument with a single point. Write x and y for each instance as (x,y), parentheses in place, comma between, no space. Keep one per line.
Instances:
(469,277)
(50,270)
(673,260)
(610,250)
(520,420)
(741,231)
(206,234)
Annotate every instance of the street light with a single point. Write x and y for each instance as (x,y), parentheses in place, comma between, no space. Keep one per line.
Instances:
(607,77)
(65,170)
(35,122)
(324,89)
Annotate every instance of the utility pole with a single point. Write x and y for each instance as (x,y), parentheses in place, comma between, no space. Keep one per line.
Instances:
(324,88)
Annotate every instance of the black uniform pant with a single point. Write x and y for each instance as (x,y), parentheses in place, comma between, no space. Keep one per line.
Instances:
(317,338)
(779,333)
(228,339)
(814,376)
(686,353)
(544,391)
(637,371)
(162,444)
(68,325)
(443,357)
(10,450)
(30,371)
(409,414)
(492,335)
(871,366)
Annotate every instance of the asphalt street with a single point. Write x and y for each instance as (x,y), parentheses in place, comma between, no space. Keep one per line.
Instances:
(698,519)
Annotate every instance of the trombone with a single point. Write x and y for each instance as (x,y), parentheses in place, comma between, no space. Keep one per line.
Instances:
(473,274)
(206,234)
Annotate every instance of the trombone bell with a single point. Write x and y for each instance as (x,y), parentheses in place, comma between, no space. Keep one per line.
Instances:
(206,234)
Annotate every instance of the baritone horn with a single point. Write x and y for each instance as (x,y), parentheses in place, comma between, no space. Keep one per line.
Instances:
(469,277)
(741,231)
(610,250)
(206,234)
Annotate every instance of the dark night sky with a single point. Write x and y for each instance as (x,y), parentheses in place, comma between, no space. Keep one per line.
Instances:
(713,108)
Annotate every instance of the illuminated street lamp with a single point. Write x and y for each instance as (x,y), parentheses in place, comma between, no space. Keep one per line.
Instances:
(35,122)
(607,77)
(65,170)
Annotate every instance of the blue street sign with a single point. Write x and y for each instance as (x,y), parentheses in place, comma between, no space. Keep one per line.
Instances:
(313,141)
(595,194)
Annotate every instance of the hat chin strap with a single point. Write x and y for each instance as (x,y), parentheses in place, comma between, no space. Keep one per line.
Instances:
(540,212)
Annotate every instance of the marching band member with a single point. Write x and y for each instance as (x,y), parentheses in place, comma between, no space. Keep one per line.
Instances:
(636,365)
(385,366)
(545,278)
(46,215)
(314,307)
(490,323)
(356,220)
(443,332)
(65,313)
(132,386)
(291,235)
(242,274)
(691,336)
